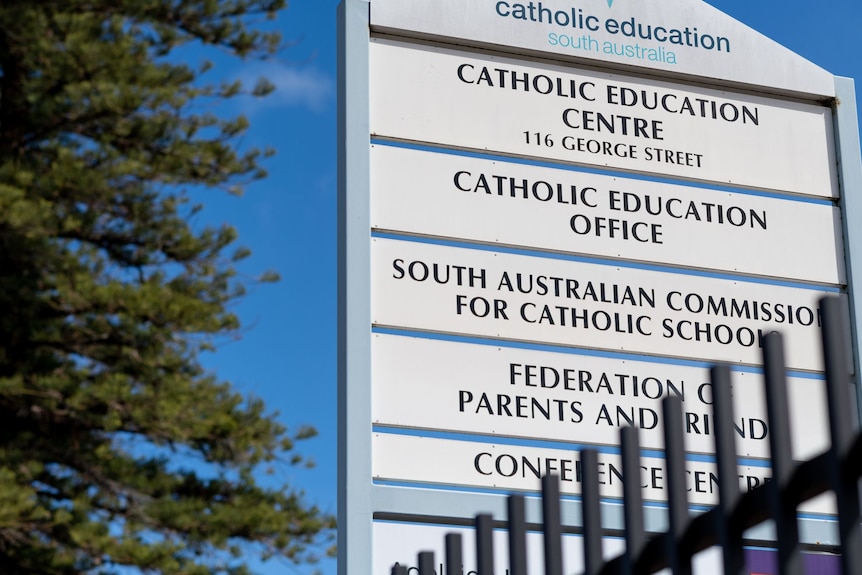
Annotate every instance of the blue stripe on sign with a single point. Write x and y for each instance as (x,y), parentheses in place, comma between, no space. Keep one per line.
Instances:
(593,170)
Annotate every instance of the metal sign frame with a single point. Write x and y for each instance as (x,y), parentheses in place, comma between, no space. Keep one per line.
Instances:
(360,501)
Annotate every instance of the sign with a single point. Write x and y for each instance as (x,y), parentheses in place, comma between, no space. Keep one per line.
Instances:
(399,542)
(496,391)
(600,119)
(450,195)
(475,292)
(551,216)
(674,37)
(508,467)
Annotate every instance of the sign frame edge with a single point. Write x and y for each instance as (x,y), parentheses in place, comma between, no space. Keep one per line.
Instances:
(848,154)
(355,510)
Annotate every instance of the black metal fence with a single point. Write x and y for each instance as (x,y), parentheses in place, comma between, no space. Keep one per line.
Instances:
(837,470)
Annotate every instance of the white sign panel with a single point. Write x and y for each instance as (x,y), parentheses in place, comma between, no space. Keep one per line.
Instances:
(675,36)
(453,196)
(460,99)
(448,386)
(499,295)
(401,542)
(520,468)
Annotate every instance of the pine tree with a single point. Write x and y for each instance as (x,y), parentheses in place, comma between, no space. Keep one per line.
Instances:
(116,447)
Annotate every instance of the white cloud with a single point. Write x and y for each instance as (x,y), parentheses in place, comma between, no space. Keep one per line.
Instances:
(305,87)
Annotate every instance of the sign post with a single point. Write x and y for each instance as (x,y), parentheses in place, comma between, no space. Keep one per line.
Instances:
(551,217)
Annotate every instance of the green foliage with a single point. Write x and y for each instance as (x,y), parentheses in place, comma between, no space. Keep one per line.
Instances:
(116,447)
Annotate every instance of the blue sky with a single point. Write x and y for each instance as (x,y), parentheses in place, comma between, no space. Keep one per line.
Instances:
(287,350)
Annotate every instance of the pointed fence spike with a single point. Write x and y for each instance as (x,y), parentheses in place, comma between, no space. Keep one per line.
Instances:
(783,509)
(553,532)
(680,562)
(426,563)
(485,544)
(730,536)
(454,554)
(836,360)
(632,498)
(517,535)
(590,498)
